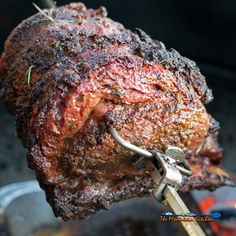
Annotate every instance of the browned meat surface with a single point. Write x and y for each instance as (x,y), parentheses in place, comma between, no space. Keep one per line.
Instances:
(86,71)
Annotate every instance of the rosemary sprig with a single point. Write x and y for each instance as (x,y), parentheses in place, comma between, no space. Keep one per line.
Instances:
(57,44)
(39,21)
(48,16)
(27,76)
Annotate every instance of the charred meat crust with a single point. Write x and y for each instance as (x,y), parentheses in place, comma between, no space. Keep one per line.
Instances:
(86,66)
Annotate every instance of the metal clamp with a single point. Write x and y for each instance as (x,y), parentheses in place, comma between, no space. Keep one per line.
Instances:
(166,170)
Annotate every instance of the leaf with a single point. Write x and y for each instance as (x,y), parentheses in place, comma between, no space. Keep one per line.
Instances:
(42,12)
(27,76)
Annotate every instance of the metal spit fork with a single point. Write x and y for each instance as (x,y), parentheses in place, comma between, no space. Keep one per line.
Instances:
(167,175)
